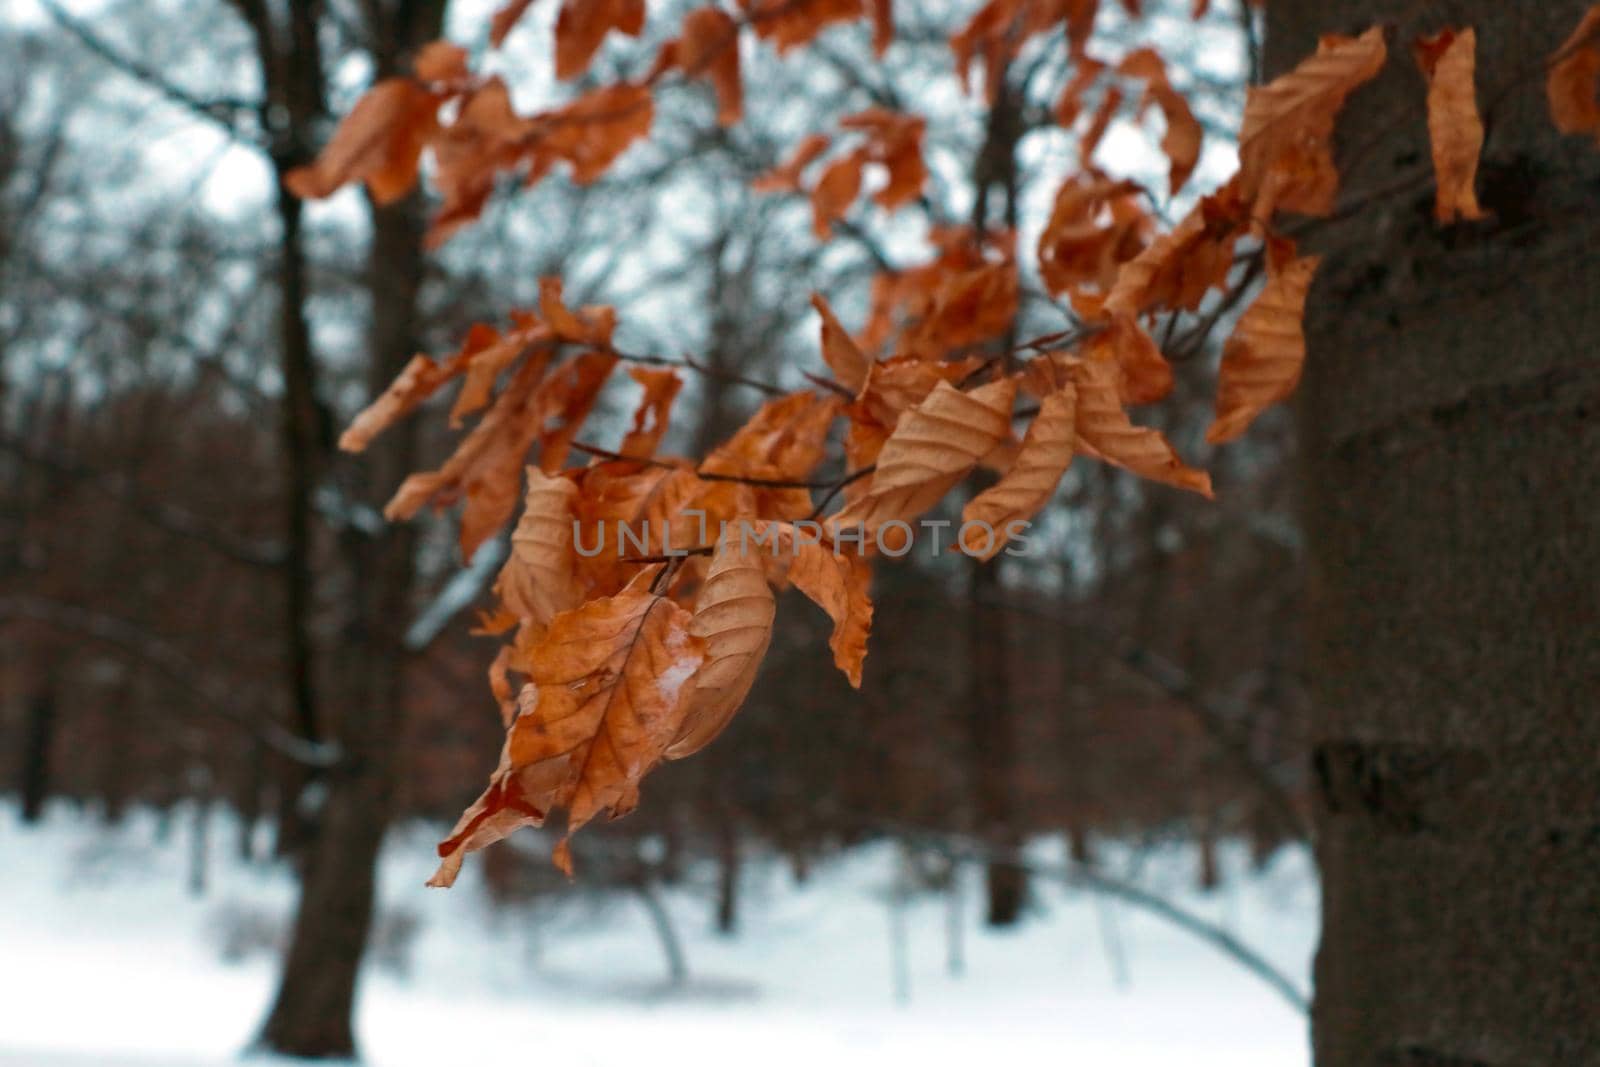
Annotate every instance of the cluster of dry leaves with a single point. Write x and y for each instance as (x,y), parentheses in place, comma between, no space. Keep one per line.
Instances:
(616,661)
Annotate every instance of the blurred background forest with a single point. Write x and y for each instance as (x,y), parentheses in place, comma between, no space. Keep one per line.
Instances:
(199,597)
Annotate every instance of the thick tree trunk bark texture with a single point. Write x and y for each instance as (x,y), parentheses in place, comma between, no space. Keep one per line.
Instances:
(1449,434)
(313,1012)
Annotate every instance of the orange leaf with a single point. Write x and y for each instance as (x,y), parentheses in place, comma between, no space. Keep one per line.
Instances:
(441,61)
(1449,61)
(1285,143)
(785,177)
(1261,362)
(505,18)
(1105,432)
(1573,84)
(594,130)
(882,25)
(1181,142)
(848,363)
(791,23)
(1146,376)
(709,48)
(380,142)
(932,448)
(838,584)
(1045,455)
(581,28)
(1177,269)
(734,616)
(611,683)
(1095,226)
(536,582)
(651,418)
(834,192)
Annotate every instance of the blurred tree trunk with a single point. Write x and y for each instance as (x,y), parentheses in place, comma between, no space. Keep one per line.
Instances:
(313,1012)
(992,730)
(38,738)
(1449,434)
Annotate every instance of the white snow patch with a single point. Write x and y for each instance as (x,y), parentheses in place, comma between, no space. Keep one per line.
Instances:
(106,960)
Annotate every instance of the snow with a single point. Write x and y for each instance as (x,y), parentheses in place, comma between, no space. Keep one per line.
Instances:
(106,959)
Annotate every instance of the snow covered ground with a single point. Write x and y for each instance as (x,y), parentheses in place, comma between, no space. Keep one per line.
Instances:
(107,960)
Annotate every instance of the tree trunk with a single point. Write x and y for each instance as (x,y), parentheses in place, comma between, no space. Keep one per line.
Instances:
(38,740)
(312,1015)
(1449,435)
(992,729)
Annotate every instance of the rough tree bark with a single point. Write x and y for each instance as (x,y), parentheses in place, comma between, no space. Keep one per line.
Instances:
(1449,435)
(312,1014)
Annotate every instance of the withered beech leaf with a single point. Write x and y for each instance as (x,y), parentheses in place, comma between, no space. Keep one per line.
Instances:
(848,363)
(1285,143)
(1449,62)
(581,28)
(1572,86)
(379,142)
(733,615)
(709,48)
(654,413)
(837,582)
(1183,136)
(785,177)
(536,583)
(934,446)
(610,684)
(836,189)
(1046,453)
(505,18)
(1105,432)
(1261,362)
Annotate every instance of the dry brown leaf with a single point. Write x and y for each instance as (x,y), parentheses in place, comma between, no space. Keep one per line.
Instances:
(1046,453)
(1449,62)
(1261,362)
(838,583)
(504,19)
(654,413)
(933,447)
(709,48)
(836,189)
(1573,84)
(1286,141)
(1176,270)
(441,61)
(581,28)
(882,26)
(894,141)
(785,177)
(791,23)
(1105,432)
(536,583)
(590,133)
(733,615)
(379,142)
(1183,136)
(610,686)
(848,363)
